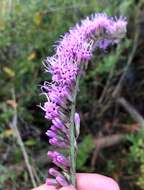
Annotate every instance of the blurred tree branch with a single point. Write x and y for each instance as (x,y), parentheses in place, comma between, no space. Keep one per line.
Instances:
(131,110)
(13,125)
(104,142)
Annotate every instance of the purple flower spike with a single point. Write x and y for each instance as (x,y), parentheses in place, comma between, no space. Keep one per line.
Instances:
(50,133)
(58,158)
(77,124)
(52,182)
(61,181)
(54,128)
(51,109)
(50,154)
(62,160)
(77,120)
(72,52)
(58,123)
(54,141)
(54,172)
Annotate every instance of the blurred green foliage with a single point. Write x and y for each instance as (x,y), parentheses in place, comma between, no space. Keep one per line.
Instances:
(137,153)
(83,153)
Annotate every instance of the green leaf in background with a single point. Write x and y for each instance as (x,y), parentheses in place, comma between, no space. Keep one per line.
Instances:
(85,148)
(31,142)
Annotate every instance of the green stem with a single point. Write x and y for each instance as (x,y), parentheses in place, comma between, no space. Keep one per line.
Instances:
(72,138)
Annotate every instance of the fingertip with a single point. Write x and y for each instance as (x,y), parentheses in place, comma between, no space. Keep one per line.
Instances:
(113,184)
(70,187)
(96,182)
(44,187)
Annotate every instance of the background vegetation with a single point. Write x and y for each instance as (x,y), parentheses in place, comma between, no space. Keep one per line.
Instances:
(110,102)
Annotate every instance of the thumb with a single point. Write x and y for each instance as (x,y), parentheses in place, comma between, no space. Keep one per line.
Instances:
(70,187)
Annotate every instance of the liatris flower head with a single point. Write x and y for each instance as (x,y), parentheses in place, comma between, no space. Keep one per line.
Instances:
(72,52)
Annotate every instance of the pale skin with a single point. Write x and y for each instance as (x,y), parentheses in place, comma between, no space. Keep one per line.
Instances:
(88,181)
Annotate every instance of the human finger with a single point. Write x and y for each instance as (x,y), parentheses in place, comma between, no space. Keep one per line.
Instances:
(44,187)
(88,181)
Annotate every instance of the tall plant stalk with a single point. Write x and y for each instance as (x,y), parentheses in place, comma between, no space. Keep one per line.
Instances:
(72,137)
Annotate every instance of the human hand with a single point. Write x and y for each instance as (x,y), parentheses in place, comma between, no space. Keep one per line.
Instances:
(87,182)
